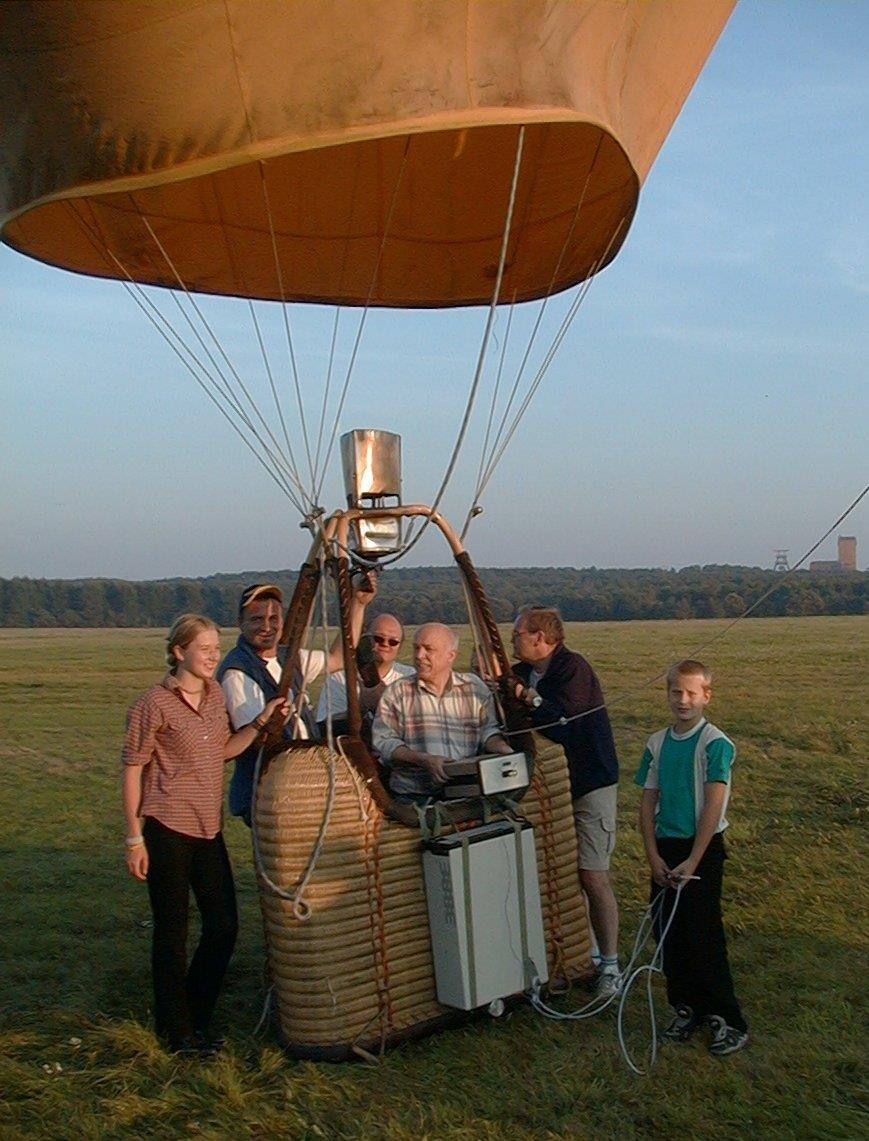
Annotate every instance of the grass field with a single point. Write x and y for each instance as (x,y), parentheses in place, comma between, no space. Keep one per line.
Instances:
(78,1057)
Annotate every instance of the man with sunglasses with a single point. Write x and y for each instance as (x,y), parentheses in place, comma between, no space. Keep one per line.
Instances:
(384,636)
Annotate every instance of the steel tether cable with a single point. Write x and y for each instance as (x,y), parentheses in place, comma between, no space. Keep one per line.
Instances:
(625,695)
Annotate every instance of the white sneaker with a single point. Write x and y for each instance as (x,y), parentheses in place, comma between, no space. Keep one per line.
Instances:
(725,1039)
(609,982)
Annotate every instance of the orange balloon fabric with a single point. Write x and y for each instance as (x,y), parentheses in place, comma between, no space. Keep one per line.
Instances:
(338,151)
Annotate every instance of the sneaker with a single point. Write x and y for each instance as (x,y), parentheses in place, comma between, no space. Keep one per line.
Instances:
(683,1025)
(207,1043)
(609,982)
(725,1039)
(185,1047)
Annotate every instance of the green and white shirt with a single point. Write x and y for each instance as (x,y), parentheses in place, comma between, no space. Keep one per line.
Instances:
(678,767)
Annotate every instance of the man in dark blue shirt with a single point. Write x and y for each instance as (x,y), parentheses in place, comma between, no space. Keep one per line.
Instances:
(558,683)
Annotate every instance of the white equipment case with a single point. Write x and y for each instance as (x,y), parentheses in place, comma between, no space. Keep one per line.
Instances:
(484,913)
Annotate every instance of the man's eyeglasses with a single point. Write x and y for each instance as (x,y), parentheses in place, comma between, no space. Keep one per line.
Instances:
(383,641)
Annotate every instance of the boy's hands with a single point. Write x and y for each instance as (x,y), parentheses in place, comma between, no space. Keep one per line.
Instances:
(682,871)
(670,877)
(660,872)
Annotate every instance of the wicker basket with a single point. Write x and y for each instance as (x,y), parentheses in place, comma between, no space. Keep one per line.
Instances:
(357,974)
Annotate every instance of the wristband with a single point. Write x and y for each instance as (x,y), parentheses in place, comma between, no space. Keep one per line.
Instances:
(134,841)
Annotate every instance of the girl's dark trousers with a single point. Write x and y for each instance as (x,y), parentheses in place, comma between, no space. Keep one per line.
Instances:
(695,951)
(185,998)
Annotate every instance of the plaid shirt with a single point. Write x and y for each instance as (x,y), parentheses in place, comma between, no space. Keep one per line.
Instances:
(455,725)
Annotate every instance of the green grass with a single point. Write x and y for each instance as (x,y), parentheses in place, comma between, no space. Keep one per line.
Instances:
(78,1057)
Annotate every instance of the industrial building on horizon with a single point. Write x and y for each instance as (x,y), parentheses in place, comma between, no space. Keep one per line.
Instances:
(847,560)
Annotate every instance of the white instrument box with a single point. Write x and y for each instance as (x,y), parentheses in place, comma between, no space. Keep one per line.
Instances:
(484,913)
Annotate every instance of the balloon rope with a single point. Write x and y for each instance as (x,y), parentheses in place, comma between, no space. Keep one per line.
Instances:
(328,385)
(481,357)
(236,376)
(234,401)
(625,695)
(185,354)
(484,462)
(326,390)
(287,332)
(275,472)
(547,360)
(492,406)
(274,390)
(387,226)
(413,538)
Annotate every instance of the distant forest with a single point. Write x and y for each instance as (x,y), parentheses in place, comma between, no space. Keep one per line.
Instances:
(422,594)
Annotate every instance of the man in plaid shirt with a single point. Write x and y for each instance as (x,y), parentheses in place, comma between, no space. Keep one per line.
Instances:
(434,717)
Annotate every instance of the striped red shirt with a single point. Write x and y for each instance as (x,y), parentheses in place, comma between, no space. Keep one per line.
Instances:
(182,750)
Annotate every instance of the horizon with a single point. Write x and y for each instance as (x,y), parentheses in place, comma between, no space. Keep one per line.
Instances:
(273,572)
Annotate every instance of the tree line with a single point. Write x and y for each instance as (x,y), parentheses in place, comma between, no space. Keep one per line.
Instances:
(423,594)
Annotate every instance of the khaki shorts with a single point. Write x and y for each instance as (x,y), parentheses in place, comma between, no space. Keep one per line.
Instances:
(594,816)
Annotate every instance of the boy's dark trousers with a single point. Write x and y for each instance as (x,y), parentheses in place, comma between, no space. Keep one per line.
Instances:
(695,951)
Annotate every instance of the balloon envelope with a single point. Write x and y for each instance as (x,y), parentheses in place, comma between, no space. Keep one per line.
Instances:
(338,150)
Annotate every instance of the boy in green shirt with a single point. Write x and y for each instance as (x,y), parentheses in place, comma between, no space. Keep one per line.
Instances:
(685,778)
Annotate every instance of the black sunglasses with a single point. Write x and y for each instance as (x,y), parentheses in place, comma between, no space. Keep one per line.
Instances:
(383,641)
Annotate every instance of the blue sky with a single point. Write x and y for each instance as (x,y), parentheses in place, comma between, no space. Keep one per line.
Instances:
(708,405)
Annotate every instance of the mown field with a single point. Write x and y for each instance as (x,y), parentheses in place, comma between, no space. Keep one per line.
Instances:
(78,1057)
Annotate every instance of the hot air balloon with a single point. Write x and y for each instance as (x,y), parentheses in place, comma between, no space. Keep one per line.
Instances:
(355,153)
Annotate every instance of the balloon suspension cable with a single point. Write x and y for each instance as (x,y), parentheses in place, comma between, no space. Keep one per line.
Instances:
(327,387)
(500,446)
(235,374)
(274,449)
(626,695)
(283,479)
(549,357)
(286,321)
(273,387)
(474,508)
(492,406)
(481,357)
(225,401)
(375,276)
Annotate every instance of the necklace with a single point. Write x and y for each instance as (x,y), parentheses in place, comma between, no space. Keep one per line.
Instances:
(191,692)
